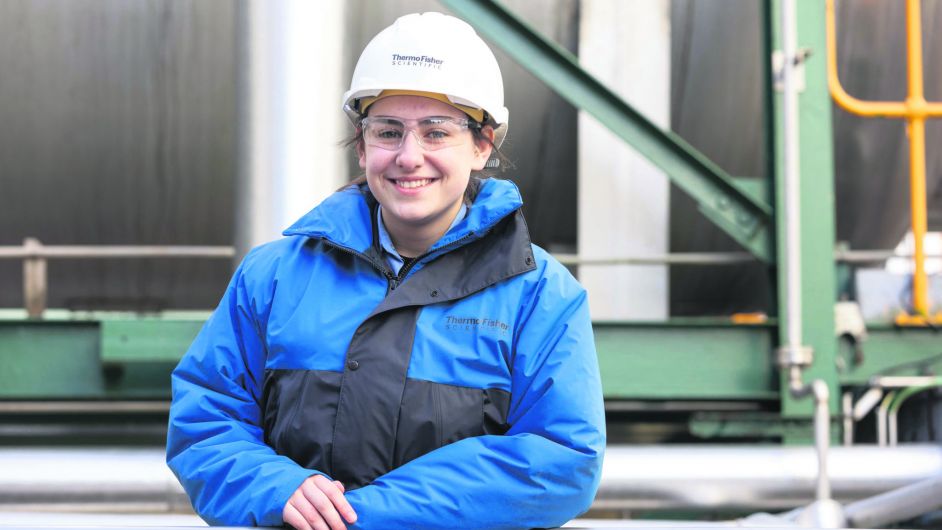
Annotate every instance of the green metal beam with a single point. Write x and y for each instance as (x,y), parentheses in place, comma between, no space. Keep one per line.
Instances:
(685,359)
(889,350)
(146,340)
(747,219)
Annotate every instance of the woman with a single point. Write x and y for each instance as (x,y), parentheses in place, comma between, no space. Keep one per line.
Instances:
(405,357)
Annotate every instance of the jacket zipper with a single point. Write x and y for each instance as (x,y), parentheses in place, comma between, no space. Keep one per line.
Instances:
(403,272)
(394,280)
(384,270)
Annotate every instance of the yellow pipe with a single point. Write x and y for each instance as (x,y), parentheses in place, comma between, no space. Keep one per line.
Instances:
(915,110)
(917,155)
(917,185)
(888,109)
(884,109)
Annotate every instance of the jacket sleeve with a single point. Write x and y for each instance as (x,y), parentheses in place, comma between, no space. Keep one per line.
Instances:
(545,470)
(215,442)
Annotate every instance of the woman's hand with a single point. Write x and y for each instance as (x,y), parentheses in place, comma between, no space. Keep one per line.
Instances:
(318,504)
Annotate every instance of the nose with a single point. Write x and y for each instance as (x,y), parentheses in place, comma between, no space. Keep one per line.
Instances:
(411,153)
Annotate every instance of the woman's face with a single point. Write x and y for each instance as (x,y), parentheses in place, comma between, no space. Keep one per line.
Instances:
(418,188)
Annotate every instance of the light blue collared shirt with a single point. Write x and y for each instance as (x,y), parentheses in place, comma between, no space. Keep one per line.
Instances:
(393,258)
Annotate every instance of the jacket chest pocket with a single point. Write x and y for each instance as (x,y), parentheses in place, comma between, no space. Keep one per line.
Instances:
(435,414)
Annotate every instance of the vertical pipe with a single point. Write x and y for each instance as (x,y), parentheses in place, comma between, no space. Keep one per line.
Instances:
(289,92)
(917,185)
(917,154)
(822,435)
(796,354)
(847,409)
(792,178)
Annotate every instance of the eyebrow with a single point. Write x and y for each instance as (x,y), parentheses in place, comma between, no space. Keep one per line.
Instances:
(424,118)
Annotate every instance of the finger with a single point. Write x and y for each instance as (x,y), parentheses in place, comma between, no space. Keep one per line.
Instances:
(309,513)
(340,486)
(323,504)
(293,517)
(336,498)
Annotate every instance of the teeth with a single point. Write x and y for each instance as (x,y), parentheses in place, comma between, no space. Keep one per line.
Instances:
(408,184)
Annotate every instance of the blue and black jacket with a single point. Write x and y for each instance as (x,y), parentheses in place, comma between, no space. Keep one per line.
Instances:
(463,392)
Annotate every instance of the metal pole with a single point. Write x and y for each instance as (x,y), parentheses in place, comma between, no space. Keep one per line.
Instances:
(792,177)
(897,505)
(793,355)
(34,279)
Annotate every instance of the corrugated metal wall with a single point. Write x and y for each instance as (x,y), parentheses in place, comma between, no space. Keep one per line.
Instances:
(117,127)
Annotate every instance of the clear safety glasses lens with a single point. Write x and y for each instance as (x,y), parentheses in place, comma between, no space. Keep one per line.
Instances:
(432,133)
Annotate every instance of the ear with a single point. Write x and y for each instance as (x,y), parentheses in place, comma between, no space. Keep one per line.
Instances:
(361,154)
(483,149)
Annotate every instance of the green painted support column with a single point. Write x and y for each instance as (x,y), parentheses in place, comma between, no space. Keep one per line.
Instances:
(818,276)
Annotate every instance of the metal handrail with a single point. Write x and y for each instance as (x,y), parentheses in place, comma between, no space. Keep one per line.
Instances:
(34,256)
(114,251)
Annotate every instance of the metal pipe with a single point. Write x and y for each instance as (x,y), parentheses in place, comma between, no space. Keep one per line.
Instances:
(792,177)
(96,479)
(882,411)
(722,258)
(83,407)
(903,381)
(633,477)
(753,477)
(32,249)
(896,505)
(863,256)
(794,355)
(683,258)
(866,402)
(847,411)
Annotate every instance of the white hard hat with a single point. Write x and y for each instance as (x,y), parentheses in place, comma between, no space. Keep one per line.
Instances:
(431,52)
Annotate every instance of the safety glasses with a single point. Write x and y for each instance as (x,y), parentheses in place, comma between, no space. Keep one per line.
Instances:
(432,133)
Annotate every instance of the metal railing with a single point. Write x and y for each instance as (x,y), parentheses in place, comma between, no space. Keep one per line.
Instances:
(35,255)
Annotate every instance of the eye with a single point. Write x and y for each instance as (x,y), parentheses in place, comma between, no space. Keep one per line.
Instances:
(437,134)
(387,133)
(438,130)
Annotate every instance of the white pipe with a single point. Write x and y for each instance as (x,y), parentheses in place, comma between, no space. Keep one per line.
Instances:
(822,436)
(754,478)
(847,409)
(897,505)
(791,168)
(290,88)
(633,477)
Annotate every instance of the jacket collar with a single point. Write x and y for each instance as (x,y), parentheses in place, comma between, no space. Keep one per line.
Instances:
(345,218)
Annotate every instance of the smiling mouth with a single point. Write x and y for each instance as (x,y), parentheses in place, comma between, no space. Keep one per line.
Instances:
(412,184)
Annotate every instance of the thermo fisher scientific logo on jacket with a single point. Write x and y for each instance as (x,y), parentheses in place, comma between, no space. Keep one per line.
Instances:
(465,324)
